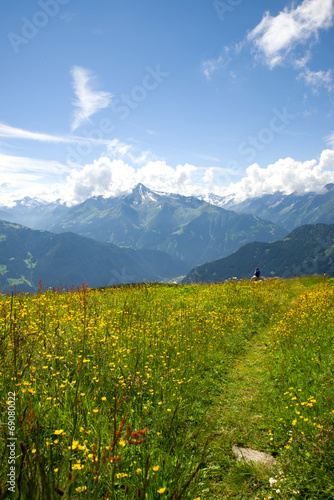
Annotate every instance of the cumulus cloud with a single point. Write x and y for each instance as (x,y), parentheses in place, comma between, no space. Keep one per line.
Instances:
(107,178)
(275,39)
(327,159)
(286,175)
(88,101)
(165,177)
(102,177)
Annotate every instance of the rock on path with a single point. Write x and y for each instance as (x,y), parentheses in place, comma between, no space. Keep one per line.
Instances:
(253,455)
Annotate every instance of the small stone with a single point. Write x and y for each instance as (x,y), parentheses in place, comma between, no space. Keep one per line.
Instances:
(253,455)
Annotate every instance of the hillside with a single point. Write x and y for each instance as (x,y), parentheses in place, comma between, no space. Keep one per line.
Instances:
(306,250)
(27,256)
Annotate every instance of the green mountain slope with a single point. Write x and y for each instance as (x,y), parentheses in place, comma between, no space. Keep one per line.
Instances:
(185,227)
(306,250)
(27,256)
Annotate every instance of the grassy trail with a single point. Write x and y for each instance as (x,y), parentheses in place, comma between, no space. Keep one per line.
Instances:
(242,420)
(246,416)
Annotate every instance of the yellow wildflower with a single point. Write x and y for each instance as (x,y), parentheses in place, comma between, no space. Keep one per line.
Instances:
(77,467)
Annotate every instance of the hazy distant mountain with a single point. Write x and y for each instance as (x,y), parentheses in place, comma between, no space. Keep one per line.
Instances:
(306,250)
(27,256)
(34,213)
(183,226)
(289,211)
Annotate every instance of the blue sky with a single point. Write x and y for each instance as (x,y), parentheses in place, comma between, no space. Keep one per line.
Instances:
(233,97)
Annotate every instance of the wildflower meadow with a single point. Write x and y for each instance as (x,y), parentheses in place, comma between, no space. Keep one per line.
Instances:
(140,391)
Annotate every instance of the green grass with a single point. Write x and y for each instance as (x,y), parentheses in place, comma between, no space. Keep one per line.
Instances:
(140,391)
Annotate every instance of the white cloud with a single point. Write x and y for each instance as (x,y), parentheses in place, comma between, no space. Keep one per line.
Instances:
(212,65)
(103,177)
(158,175)
(88,101)
(67,16)
(275,38)
(317,79)
(21,176)
(330,139)
(112,175)
(18,133)
(22,164)
(327,159)
(286,175)
(116,147)
(106,177)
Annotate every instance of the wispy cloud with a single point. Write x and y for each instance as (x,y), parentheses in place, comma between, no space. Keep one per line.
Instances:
(19,133)
(67,16)
(31,166)
(88,101)
(317,79)
(330,139)
(275,39)
(205,157)
(210,66)
(22,176)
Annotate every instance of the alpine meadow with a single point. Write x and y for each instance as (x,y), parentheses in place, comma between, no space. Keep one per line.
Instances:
(143,391)
(167,250)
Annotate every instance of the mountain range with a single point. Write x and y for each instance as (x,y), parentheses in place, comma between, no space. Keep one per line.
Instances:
(289,211)
(306,250)
(185,227)
(148,235)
